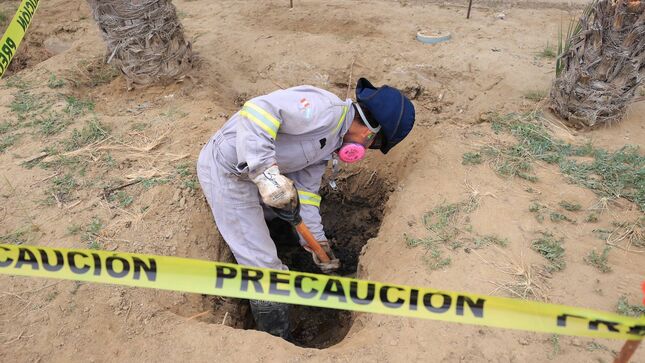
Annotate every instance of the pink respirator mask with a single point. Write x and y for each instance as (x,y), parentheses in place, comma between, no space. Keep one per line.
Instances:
(352,152)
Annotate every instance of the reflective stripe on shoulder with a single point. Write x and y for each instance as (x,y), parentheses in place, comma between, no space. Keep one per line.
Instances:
(309,198)
(342,119)
(262,118)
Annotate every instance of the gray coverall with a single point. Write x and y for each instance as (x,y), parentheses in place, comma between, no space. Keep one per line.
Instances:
(298,129)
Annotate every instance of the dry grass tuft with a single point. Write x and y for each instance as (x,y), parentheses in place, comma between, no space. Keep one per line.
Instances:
(527,281)
(628,235)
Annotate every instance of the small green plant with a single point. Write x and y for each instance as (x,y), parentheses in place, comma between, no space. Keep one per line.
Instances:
(51,295)
(435,260)
(625,308)
(414,242)
(537,208)
(433,257)
(184,170)
(555,345)
(23,103)
(510,161)
(93,131)
(122,198)
(77,107)
(535,95)
(187,173)
(484,241)
(558,217)
(571,207)
(17,82)
(91,233)
(54,82)
(593,346)
(551,249)
(609,174)
(16,237)
(74,229)
(190,184)
(62,188)
(471,158)
(547,52)
(174,113)
(3,18)
(109,161)
(599,261)
(591,218)
(70,163)
(613,174)
(152,182)
(7,141)
(52,124)
(441,222)
(5,127)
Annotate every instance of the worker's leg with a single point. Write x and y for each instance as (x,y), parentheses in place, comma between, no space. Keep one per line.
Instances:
(235,204)
(272,317)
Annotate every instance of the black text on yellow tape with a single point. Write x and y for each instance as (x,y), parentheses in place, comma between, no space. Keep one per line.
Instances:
(15,32)
(205,277)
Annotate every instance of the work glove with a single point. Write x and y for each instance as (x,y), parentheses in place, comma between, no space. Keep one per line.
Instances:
(326,268)
(276,189)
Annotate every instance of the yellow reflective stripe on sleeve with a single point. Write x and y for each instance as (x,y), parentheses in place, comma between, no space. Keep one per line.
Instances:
(262,112)
(262,117)
(259,122)
(309,198)
(342,119)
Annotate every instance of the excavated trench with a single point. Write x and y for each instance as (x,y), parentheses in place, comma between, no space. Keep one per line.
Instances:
(351,215)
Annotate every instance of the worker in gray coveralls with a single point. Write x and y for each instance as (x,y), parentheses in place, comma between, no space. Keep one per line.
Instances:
(283,139)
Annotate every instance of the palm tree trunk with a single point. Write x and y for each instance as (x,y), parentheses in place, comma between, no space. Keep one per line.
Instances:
(601,64)
(144,40)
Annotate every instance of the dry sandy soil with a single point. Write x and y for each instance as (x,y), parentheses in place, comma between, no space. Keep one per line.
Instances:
(62,197)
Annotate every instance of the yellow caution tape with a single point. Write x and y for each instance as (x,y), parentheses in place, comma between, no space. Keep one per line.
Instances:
(15,32)
(215,278)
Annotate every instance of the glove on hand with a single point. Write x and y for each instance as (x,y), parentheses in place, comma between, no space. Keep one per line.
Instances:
(334,263)
(276,189)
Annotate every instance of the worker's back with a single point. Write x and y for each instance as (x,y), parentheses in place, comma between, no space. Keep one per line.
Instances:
(303,124)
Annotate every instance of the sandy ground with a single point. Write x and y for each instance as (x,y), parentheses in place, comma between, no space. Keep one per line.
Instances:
(249,48)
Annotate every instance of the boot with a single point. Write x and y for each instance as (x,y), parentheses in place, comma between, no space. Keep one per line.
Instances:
(272,317)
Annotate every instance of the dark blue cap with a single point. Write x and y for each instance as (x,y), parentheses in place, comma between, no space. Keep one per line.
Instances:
(390,108)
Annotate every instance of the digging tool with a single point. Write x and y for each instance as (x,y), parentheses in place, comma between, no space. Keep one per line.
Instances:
(293,217)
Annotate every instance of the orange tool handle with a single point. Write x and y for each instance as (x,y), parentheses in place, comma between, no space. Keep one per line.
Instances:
(312,243)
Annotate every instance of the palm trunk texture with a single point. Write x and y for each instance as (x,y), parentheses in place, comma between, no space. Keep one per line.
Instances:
(601,65)
(145,40)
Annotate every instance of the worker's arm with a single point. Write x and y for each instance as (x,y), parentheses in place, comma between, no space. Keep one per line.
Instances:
(307,182)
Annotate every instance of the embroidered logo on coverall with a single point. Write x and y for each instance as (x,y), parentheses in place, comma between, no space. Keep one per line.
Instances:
(305,107)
